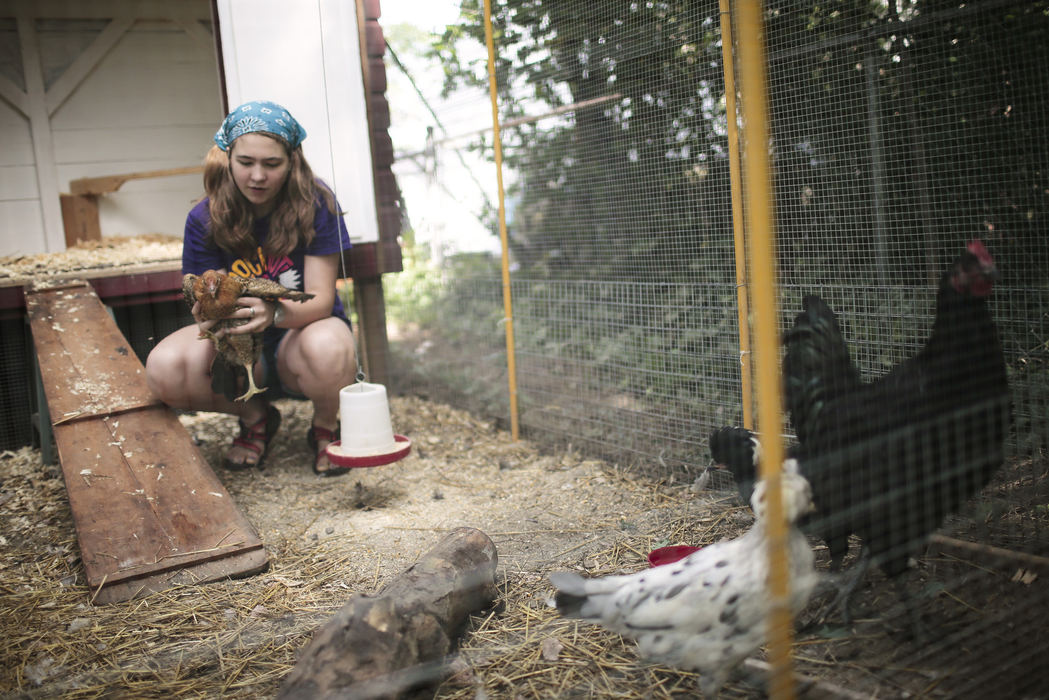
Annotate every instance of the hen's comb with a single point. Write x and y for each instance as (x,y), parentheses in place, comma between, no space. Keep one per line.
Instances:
(977,248)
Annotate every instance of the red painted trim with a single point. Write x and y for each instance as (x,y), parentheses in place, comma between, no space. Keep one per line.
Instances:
(117,290)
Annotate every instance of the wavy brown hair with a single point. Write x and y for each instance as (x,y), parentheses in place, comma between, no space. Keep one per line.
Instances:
(291,222)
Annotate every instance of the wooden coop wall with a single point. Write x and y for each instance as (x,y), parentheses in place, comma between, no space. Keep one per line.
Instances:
(98,88)
(114,53)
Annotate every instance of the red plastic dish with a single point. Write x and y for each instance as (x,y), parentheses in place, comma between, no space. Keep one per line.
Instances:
(403,447)
(669,555)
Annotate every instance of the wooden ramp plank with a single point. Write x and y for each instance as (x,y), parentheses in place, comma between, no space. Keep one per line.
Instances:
(135,480)
(91,367)
(149,511)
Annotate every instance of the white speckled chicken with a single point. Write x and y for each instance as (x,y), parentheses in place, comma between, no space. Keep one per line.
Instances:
(708,611)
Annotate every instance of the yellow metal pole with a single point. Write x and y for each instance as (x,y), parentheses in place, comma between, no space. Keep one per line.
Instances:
(508,309)
(736,188)
(761,219)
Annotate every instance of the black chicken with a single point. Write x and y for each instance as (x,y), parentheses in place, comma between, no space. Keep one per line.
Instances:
(889,459)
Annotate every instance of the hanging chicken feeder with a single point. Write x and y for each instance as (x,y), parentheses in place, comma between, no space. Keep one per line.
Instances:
(366,435)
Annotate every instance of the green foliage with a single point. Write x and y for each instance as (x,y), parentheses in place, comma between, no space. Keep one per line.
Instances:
(412,294)
(911,131)
(899,131)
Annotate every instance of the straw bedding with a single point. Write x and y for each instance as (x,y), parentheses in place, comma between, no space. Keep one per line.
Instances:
(329,539)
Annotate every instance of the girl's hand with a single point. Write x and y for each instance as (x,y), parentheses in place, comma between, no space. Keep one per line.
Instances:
(258,313)
(203,326)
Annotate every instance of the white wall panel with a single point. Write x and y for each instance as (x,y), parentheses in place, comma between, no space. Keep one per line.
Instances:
(80,150)
(141,210)
(305,55)
(19,182)
(150,102)
(21,227)
(17,148)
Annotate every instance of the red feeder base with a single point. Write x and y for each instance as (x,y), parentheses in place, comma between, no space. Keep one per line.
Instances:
(401,449)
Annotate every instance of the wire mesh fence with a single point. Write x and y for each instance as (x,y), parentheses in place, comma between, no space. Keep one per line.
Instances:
(900,132)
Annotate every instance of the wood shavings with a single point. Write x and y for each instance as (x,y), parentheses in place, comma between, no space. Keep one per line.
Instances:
(110,251)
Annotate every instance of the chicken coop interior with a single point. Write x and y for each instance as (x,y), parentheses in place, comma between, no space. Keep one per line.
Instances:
(824,223)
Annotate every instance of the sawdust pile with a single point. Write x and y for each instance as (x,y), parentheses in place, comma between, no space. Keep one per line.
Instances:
(109,252)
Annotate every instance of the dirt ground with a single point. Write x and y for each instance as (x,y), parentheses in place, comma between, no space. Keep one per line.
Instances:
(329,539)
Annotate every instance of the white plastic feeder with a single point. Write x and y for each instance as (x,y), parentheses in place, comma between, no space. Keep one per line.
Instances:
(366,436)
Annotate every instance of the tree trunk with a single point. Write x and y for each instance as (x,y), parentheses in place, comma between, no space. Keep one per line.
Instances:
(382,646)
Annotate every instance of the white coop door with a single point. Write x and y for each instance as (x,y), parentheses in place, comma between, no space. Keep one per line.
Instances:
(306,56)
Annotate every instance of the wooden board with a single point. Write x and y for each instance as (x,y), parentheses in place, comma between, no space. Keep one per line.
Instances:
(80,218)
(149,511)
(88,365)
(111,183)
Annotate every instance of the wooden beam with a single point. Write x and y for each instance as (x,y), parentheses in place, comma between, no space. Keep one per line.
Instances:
(40,128)
(197,32)
(13,94)
(104,184)
(80,218)
(71,78)
(373,343)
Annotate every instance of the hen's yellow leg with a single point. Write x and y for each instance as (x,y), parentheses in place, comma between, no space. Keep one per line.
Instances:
(252,389)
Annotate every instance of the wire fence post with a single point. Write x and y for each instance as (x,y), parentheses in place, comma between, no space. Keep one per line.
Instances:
(508,318)
(762,238)
(736,186)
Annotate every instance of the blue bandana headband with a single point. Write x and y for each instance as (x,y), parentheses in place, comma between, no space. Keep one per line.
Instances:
(267,117)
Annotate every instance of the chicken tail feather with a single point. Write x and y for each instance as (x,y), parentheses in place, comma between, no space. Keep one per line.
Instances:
(817,366)
(571,595)
(735,448)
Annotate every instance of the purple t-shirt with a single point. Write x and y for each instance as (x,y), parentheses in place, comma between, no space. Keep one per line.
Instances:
(198,255)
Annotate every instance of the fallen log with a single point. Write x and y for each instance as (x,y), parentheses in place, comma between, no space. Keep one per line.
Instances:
(384,645)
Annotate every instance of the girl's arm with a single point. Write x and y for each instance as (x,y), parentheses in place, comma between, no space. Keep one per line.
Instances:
(319,273)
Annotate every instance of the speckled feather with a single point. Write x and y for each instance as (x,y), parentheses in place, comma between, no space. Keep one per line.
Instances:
(706,612)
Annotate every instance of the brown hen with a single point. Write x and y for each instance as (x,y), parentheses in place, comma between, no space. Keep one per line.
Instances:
(217,293)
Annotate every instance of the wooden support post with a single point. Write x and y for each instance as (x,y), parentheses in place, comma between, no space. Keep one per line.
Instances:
(35,105)
(80,218)
(383,646)
(41,418)
(371,335)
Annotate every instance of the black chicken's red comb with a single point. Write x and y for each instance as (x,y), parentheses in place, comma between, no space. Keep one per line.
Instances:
(977,248)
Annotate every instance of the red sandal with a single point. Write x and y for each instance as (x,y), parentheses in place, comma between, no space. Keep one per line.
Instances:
(261,431)
(313,436)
